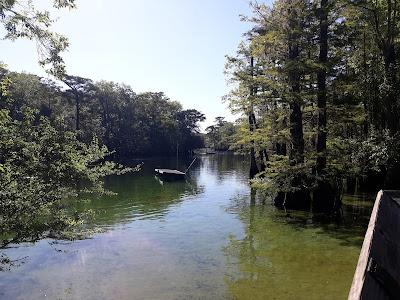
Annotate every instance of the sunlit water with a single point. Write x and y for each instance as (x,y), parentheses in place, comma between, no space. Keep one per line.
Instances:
(207,238)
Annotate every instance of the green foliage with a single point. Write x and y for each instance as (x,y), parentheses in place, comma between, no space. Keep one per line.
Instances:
(40,167)
(363,104)
(220,136)
(22,20)
(129,124)
(44,160)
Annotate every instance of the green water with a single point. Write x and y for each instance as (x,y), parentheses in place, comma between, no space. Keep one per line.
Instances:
(207,238)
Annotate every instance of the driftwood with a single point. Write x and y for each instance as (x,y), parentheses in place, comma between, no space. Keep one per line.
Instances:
(378,270)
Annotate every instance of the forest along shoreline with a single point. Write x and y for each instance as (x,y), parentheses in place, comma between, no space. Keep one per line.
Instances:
(317,121)
(316,95)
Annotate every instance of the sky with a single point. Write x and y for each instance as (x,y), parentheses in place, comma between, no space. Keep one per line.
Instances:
(174,46)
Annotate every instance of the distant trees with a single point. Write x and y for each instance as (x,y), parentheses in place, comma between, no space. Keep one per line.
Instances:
(129,124)
(144,124)
(220,135)
(322,80)
(189,137)
(80,90)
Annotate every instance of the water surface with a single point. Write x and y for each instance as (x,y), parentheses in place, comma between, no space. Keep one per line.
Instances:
(207,238)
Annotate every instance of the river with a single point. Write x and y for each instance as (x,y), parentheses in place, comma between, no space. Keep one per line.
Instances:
(207,238)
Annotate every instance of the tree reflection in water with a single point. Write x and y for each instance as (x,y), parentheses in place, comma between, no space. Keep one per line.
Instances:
(290,255)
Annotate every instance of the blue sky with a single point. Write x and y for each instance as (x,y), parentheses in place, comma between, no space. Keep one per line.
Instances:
(174,46)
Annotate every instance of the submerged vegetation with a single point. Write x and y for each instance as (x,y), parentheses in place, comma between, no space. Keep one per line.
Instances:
(317,85)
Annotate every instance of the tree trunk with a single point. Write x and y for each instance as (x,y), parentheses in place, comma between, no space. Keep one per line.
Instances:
(281,149)
(78,111)
(263,159)
(296,154)
(252,125)
(386,36)
(386,43)
(253,162)
(299,199)
(322,96)
(391,79)
(324,196)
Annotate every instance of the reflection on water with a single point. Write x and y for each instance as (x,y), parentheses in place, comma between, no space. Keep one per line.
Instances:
(206,238)
(139,196)
(290,255)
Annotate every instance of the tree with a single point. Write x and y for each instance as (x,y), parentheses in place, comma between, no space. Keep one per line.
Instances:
(188,120)
(188,129)
(39,168)
(252,122)
(384,18)
(220,135)
(321,85)
(243,98)
(324,85)
(81,90)
(22,20)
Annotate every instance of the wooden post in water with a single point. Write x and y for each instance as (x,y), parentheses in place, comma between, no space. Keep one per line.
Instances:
(378,270)
(177,155)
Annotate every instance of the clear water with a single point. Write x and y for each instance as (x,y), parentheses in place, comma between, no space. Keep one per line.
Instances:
(207,238)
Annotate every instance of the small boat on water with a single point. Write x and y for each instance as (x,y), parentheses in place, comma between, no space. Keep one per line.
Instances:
(204,151)
(168,174)
(210,151)
(172,175)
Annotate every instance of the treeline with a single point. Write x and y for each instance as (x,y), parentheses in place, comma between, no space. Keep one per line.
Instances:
(129,124)
(317,85)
